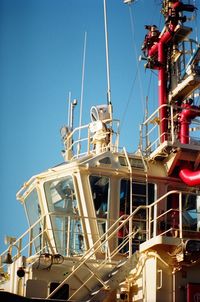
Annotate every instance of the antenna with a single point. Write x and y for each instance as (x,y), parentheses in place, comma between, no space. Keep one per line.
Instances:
(107,62)
(69,104)
(82,89)
(82,85)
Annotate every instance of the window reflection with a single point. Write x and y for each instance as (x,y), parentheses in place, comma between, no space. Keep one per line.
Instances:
(142,194)
(66,223)
(33,211)
(100,189)
(189,212)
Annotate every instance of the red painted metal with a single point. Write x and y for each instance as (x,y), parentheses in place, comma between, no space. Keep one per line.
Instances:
(157,54)
(193,292)
(165,38)
(188,113)
(158,49)
(162,91)
(191,178)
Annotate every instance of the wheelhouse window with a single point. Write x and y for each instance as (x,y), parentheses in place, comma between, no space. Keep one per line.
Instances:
(142,194)
(66,224)
(100,193)
(190,211)
(33,211)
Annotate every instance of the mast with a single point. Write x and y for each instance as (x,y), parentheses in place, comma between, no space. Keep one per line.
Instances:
(178,77)
(107,62)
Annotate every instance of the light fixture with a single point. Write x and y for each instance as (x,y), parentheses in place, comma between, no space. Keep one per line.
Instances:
(8,258)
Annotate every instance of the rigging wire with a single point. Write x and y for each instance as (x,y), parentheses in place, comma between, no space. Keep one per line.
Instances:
(137,73)
(107,59)
(196,23)
(69,103)
(132,20)
(129,98)
(82,85)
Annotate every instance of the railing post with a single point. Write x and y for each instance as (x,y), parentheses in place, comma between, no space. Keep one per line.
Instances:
(31,244)
(88,147)
(68,236)
(172,125)
(150,213)
(43,231)
(19,247)
(155,220)
(180,215)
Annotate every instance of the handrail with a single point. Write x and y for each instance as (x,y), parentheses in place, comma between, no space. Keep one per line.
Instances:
(112,227)
(109,234)
(151,138)
(70,142)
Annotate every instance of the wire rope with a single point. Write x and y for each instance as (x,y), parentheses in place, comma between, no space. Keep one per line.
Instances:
(196,23)
(129,98)
(132,20)
(137,73)
(82,85)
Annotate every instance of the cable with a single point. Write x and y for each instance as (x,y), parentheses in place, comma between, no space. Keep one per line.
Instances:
(129,98)
(136,54)
(196,25)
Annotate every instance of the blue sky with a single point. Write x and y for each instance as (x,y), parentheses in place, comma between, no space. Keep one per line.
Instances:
(41,52)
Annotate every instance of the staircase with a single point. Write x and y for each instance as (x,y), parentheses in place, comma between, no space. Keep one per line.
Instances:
(112,280)
(98,277)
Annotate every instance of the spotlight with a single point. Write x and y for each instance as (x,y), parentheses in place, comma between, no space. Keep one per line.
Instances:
(20,272)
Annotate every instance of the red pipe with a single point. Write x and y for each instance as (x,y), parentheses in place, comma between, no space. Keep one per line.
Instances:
(162,91)
(188,113)
(191,178)
(158,48)
(165,38)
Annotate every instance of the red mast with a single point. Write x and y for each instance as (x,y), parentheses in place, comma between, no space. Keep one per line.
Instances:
(173,88)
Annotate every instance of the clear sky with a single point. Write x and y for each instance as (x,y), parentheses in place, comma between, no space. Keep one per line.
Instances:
(41,54)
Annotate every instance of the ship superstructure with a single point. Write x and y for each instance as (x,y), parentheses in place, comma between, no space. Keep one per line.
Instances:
(107,225)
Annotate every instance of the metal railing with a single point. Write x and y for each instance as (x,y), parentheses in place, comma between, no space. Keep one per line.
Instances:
(80,141)
(167,223)
(170,222)
(40,238)
(151,137)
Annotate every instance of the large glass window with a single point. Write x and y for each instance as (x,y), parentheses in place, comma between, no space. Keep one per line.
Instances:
(142,194)
(190,215)
(65,221)
(190,212)
(33,211)
(100,194)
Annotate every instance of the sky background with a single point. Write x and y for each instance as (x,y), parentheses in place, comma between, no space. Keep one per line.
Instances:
(41,55)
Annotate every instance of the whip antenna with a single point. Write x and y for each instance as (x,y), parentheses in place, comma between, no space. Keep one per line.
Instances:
(107,61)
